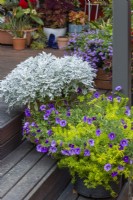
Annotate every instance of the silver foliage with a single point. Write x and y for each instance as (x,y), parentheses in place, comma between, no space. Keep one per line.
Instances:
(46,76)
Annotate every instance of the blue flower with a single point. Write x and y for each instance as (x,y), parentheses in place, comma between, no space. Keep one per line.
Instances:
(111,136)
(27,112)
(49,132)
(126,159)
(86,152)
(107,167)
(52,149)
(96,95)
(98,132)
(113,174)
(124,142)
(91,142)
(42,107)
(63,123)
(118,88)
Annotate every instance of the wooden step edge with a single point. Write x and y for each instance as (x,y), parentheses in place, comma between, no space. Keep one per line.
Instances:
(51,185)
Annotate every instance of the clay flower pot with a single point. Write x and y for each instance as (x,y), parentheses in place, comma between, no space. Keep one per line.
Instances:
(19,43)
(62,42)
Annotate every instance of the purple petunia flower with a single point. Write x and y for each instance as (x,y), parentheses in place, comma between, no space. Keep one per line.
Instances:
(41,149)
(52,149)
(111,136)
(26,125)
(48,112)
(72,151)
(113,174)
(96,95)
(126,159)
(118,88)
(85,119)
(120,167)
(33,124)
(86,152)
(71,145)
(68,114)
(110,98)
(128,111)
(77,151)
(45,117)
(107,167)
(49,132)
(110,145)
(65,152)
(79,90)
(53,143)
(118,99)
(42,107)
(57,120)
(38,131)
(27,112)
(124,142)
(94,118)
(89,120)
(121,147)
(56,112)
(36,141)
(63,123)
(91,142)
(46,141)
(98,132)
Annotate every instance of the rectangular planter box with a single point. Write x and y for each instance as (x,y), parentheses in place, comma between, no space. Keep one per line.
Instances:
(5,37)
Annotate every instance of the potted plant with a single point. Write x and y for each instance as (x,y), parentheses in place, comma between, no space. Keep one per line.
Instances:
(92,136)
(95,46)
(55,16)
(77,21)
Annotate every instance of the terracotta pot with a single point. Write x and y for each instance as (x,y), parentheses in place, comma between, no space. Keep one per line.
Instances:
(5,37)
(62,42)
(19,43)
(103,80)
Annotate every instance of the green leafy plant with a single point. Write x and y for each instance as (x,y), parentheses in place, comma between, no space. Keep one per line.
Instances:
(39,39)
(91,135)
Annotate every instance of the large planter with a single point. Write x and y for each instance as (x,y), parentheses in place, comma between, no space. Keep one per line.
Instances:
(103,80)
(74,28)
(98,192)
(19,43)
(56,31)
(5,37)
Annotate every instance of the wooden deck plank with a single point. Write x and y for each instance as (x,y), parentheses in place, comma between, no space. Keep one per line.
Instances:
(68,194)
(13,158)
(10,179)
(30,180)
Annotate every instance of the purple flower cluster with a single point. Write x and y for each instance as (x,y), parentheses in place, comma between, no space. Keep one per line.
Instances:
(71,151)
(88,119)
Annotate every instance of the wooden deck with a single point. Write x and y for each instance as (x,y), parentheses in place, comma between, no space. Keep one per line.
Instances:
(9,58)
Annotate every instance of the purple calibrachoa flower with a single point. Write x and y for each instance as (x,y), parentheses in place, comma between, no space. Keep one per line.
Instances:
(46,141)
(113,174)
(96,95)
(41,149)
(124,142)
(49,132)
(110,145)
(85,119)
(126,159)
(71,145)
(26,125)
(42,107)
(121,147)
(111,136)
(65,152)
(120,167)
(86,152)
(89,120)
(77,151)
(110,98)
(27,112)
(91,142)
(118,88)
(72,151)
(68,114)
(94,118)
(33,124)
(36,141)
(52,149)
(107,167)
(128,111)
(98,132)
(45,117)
(48,112)
(79,90)
(118,99)
(38,131)
(63,123)
(57,120)
(53,143)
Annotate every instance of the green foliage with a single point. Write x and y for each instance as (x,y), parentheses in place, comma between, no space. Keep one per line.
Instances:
(39,39)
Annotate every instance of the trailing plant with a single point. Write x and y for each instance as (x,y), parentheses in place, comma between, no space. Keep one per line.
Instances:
(92,136)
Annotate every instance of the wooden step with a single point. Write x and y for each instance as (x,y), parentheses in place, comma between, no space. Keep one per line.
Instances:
(10,130)
(29,175)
